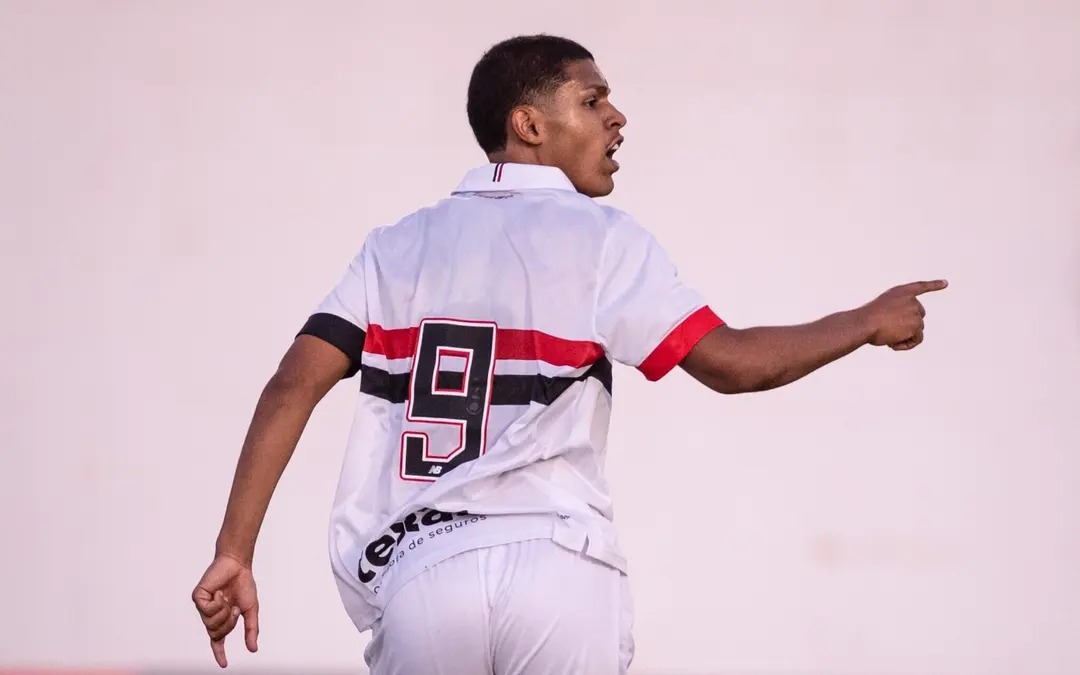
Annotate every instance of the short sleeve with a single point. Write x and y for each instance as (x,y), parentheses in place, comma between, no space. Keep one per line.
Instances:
(341,319)
(646,316)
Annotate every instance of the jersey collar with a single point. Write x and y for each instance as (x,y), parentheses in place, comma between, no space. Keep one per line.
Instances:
(506,177)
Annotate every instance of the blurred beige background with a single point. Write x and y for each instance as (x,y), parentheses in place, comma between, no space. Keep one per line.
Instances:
(180,182)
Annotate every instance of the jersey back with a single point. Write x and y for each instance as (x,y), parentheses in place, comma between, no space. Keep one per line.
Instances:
(483,330)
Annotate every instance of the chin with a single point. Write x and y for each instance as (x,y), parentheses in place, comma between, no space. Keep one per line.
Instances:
(601,187)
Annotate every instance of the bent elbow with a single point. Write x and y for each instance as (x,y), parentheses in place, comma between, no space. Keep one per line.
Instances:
(727,385)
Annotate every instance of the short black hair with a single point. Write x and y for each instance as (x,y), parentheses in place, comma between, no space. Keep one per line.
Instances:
(513,72)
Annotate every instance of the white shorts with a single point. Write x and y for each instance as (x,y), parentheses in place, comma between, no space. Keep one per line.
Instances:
(526,608)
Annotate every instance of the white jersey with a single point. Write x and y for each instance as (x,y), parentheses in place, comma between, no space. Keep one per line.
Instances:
(483,329)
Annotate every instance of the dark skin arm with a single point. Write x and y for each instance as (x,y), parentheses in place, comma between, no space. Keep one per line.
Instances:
(309,369)
(734,361)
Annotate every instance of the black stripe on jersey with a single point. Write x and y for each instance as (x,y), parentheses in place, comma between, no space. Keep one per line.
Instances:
(506,390)
(344,335)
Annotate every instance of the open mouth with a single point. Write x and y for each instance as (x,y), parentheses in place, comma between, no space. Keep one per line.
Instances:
(612,149)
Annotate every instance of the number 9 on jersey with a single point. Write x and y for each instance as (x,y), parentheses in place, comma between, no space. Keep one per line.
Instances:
(450,384)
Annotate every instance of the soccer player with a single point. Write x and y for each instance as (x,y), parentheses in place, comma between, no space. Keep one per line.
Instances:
(472,526)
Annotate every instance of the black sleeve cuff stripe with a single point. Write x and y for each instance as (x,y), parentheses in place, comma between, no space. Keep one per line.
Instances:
(346,336)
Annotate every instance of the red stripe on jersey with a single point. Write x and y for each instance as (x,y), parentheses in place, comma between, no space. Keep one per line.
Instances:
(533,345)
(678,343)
(510,344)
(393,343)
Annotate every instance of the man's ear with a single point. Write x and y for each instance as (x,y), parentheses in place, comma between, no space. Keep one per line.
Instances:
(526,125)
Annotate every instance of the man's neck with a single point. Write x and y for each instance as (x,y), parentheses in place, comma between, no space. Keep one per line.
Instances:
(516,155)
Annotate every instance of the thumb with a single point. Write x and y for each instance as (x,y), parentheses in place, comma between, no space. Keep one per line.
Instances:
(251,629)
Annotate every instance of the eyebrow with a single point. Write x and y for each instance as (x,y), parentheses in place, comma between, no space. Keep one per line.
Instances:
(601,89)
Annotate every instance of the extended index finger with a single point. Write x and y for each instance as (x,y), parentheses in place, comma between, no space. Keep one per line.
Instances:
(920,287)
(218,647)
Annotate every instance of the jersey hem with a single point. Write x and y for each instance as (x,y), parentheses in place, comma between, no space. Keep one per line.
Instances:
(365,608)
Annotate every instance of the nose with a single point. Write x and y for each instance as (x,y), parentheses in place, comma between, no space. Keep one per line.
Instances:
(618,120)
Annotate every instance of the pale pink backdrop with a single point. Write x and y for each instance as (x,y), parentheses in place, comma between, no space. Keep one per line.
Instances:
(180,182)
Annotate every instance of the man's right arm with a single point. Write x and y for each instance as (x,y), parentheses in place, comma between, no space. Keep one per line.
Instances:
(734,361)
(309,369)
(226,591)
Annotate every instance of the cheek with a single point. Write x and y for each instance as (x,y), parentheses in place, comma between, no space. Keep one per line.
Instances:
(576,154)
(578,134)
(585,153)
